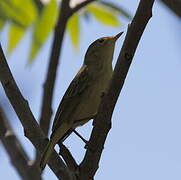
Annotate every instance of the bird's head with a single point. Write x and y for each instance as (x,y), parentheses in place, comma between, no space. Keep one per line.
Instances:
(101,51)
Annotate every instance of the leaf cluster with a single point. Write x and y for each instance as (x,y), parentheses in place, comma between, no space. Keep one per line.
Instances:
(20,15)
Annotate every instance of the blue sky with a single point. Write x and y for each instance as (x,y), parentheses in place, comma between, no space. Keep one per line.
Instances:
(144,142)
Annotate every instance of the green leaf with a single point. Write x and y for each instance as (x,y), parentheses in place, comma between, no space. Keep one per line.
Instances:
(22,12)
(44,26)
(116,8)
(15,34)
(74,29)
(104,14)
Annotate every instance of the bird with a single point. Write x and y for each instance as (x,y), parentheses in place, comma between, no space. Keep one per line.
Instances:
(82,98)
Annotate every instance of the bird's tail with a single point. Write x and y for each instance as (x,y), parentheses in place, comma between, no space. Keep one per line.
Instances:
(55,137)
(46,154)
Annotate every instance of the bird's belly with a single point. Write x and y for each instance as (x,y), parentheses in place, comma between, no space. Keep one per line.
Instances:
(92,98)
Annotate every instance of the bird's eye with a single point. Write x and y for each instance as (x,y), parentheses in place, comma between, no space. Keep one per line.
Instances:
(101,40)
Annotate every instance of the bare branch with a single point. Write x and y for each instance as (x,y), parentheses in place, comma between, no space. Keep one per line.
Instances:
(17,154)
(174,5)
(102,122)
(23,111)
(46,109)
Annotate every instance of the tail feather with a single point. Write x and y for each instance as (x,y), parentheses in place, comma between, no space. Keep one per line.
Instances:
(55,137)
(46,154)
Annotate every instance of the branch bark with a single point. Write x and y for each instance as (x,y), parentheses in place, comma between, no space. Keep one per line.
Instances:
(46,109)
(68,158)
(102,123)
(17,154)
(174,5)
(32,130)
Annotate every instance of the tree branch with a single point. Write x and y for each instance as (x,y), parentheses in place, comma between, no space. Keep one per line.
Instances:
(102,122)
(17,154)
(32,130)
(46,109)
(68,158)
(174,5)
(79,6)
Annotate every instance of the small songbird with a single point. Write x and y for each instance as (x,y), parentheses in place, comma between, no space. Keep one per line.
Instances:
(81,100)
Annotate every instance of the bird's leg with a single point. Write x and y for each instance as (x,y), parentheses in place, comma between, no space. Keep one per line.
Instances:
(84,140)
(82,120)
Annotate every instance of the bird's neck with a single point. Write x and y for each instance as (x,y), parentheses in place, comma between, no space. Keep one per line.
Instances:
(98,70)
(98,66)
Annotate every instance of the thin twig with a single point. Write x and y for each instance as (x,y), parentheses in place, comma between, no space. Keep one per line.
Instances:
(32,130)
(17,154)
(102,122)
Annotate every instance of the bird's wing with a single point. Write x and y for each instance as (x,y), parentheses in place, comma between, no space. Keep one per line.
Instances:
(71,98)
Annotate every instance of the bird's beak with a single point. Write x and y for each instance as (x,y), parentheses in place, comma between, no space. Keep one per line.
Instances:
(117,36)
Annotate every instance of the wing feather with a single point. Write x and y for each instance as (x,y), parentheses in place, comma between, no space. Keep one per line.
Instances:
(71,98)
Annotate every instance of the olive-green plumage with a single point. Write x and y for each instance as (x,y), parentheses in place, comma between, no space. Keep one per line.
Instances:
(83,96)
